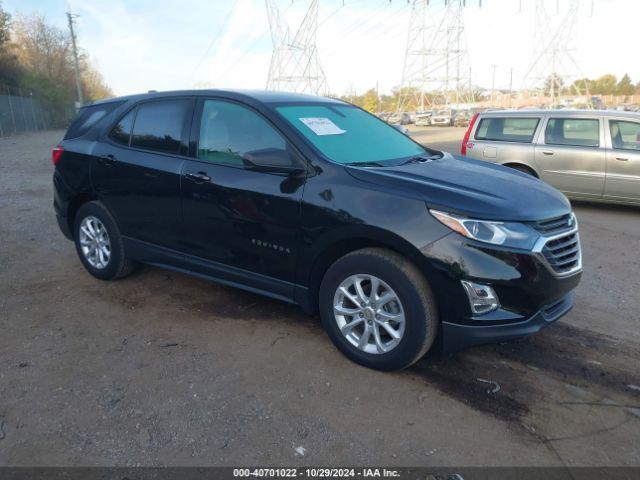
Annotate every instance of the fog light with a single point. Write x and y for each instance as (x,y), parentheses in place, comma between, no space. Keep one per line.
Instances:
(482,298)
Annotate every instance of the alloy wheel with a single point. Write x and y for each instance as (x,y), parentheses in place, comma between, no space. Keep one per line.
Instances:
(369,313)
(94,242)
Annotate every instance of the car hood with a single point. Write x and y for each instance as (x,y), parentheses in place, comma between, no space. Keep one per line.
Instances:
(472,188)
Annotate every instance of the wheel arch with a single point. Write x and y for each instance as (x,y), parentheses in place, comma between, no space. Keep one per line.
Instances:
(331,249)
(74,205)
(521,167)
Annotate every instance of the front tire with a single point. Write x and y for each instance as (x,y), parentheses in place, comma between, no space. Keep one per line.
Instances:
(99,243)
(378,309)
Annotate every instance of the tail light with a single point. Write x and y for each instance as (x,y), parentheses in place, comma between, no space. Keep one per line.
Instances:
(467,134)
(56,154)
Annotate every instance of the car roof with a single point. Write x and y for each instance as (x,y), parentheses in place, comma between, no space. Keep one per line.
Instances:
(563,112)
(262,96)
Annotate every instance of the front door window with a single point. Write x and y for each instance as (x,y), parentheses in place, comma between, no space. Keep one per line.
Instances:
(228,132)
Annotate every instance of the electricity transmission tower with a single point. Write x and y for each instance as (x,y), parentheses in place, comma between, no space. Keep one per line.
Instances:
(436,57)
(295,65)
(554,68)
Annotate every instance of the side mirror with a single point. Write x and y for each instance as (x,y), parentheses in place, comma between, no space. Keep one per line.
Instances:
(271,160)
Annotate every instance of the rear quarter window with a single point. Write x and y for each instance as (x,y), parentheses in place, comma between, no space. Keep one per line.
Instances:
(507,129)
(88,117)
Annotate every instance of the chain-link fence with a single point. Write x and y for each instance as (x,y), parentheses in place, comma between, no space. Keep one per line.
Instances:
(21,111)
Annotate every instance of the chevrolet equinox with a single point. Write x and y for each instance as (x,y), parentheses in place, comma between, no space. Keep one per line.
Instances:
(316,202)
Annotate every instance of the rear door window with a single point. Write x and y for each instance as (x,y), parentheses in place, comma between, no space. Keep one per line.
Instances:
(89,116)
(579,132)
(507,129)
(625,135)
(160,125)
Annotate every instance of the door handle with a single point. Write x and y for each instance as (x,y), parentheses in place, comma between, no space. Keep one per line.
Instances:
(107,159)
(622,159)
(198,177)
(547,152)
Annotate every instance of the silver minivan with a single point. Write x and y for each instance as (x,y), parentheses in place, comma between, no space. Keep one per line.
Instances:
(591,155)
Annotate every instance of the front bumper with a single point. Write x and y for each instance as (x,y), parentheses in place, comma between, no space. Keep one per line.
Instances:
(530,293)
(458,337)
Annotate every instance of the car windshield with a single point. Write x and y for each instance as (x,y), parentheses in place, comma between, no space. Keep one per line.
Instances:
(347,135)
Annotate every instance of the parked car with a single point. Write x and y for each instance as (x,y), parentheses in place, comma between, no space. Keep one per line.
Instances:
(318,203)
(626,107)
(401,128)
(589,155)
(444,118)
(384,116)
(463,118)
(423,119)
(401,118)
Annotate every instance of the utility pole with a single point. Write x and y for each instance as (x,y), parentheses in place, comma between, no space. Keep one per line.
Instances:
(493,84)
(510,86)
(76,64)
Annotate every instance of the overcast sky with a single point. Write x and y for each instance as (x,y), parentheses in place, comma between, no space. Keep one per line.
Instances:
(140,45)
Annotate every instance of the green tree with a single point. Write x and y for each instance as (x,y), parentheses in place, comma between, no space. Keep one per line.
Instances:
(370,100)
(625,86)
(581,86)
(605,85)
(5,26)
(43,52)
(10,71)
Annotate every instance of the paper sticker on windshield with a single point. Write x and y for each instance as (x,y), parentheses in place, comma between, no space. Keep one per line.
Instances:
(322,126)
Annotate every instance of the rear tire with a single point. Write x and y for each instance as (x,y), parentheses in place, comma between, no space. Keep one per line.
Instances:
(99,243)
(411,318)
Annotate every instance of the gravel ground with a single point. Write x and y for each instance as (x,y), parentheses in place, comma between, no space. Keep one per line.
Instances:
(163,369)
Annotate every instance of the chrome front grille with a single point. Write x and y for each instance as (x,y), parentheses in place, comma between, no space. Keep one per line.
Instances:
(554,225)
(563,253)
(559,244)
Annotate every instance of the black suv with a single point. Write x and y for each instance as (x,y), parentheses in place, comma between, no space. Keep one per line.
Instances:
(316,202)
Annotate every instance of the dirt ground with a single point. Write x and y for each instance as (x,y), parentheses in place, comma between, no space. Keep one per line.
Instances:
(164,369)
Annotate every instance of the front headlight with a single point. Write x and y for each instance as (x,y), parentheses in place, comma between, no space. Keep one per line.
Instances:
(508,234)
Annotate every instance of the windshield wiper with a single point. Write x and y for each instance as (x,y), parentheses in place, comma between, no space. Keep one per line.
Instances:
(422,159)
(365,164)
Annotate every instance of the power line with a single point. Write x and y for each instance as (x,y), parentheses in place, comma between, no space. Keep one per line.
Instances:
(553,61)
(215,39)
(241,57)
(358,26)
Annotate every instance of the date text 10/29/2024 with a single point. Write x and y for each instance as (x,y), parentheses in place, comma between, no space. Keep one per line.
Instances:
(326,473)
(316,472)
